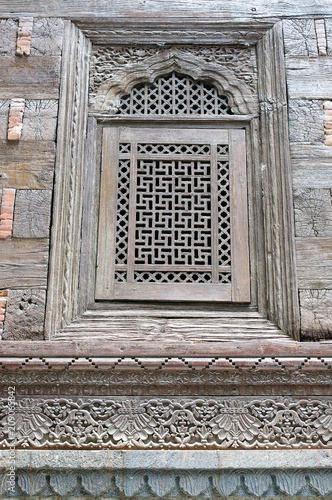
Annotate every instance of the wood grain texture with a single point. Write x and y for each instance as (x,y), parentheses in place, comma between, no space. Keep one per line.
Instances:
(8,36)
(160,8)
(25,315)
(328,31)
(32,213)
(40,120)
(309,78)
(23,263)
(311,166)
(27,165)
(300,37)
(306,121)
(30,77)
(47,37)
(316,314)
(313,212)
(314,263)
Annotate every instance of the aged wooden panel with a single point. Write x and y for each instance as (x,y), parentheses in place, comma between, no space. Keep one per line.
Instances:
(314,262)
(47,36)
(159,8)
(32,213)
(309,78)
(23,263)
(300,37)
(311,166)
(316,314)
(30,77)
(8,35)
(27,165)
(328,30)
(313,212)
(306,120)
(25,315)
(40,120)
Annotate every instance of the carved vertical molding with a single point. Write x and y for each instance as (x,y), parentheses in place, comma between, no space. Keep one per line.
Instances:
(65,239)
(282,291)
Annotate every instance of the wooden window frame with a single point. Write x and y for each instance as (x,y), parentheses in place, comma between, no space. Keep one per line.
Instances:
(239,288)
(73,249)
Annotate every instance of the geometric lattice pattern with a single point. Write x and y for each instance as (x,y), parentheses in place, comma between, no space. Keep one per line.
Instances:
(173,213)
(174,94)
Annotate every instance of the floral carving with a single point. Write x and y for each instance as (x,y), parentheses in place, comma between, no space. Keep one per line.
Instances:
(169,423)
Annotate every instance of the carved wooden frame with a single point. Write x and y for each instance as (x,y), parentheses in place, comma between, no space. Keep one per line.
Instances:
(69,291)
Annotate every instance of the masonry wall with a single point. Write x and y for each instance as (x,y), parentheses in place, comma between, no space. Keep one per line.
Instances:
(30,51)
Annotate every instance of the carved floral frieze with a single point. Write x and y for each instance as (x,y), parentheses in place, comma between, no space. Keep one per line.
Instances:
(173,423)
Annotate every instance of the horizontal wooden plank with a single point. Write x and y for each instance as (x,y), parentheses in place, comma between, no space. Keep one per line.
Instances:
(309,78)
(23,263)
(85,348)
(314,262)
(161,291)
(311,166)
(25,165)
(30,77)
(155,8)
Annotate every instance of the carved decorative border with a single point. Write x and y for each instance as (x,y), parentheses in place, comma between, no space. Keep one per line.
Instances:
(174,484)
(168,423)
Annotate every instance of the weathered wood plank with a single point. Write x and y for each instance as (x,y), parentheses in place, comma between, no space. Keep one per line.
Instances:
(328,31)
(27,165)
(306,121)
(8,35)
(155,8)
(316,314)
(47,36)
(313,212)
(314,262)
(84,348)
(311,166)
(30,77)
(32,213)
(23,263)
(25,314)
(309,78)
(300,37)
(40,120)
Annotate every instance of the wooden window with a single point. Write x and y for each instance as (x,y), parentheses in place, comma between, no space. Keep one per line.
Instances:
(173,215)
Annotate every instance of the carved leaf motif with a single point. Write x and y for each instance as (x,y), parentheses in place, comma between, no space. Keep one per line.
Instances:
(63,483)
(324,424)
(32,484)
(96,483)
(257,482)
(161,484)
(321,481)
(194,484)
(290,483)
(226,483)
(131,483)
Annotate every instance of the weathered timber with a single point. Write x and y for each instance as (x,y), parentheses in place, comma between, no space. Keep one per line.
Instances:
(328,31)
(8,36)
(25,315)
(306,121)
(160,8)
(86,348)
(40,120)
(27,165)
(309,78)
(311,166)
(316,314)
(300,37)
(314,262)
(313,212)
(32,213)
(30,77)
(47,37)
(23,263)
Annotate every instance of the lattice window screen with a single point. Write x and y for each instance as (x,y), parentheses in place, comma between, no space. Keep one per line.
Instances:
(174,94)
(173,215)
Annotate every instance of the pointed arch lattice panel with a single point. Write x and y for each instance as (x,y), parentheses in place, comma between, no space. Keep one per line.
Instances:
(174,94)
